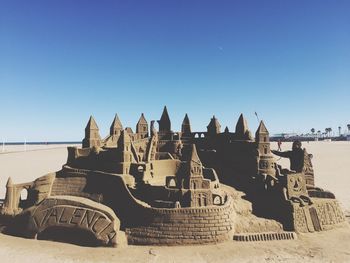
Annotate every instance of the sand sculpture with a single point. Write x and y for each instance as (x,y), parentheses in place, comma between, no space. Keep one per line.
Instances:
(169,188)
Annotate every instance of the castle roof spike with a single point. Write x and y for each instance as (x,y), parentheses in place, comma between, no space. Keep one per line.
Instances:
(262,128)
(186,125)
(165,114)
(142,119)
(214,125)
(186,120)
(164,122)
(116,122)
(242,125)
(91,125)
(194,155)
(9,182)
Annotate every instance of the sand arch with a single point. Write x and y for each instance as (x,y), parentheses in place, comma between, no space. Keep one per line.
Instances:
(88,222)
(75,236)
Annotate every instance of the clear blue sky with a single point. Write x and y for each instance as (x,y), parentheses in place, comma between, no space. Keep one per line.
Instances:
(61,61)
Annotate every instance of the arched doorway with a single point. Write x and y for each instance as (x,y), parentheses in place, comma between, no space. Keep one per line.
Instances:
(70,235)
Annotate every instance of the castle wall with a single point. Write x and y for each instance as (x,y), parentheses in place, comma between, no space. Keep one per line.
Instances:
(73,185)
(161,169)
(185,226)
(105,188)
(142,223)
(324,214)
(329,212)
(141,148)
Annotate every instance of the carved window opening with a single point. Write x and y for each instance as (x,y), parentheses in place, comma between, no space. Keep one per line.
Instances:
(217,200)
(140,169)
(199,200)
(23,198)
(193,185)
(24,194)
(172,183)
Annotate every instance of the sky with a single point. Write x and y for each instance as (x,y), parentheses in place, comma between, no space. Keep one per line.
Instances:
(62,61)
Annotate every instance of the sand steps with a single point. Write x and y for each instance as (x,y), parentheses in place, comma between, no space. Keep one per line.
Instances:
(248,237)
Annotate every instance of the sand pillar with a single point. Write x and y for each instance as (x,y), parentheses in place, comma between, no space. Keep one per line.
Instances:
(9,203)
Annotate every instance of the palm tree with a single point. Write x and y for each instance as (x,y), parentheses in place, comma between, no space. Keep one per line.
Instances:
(348,128)
(339,129)
(328,131)
(318,133)
(313,131)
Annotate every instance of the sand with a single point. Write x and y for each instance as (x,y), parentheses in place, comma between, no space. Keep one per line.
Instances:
(332,169)
(330,246)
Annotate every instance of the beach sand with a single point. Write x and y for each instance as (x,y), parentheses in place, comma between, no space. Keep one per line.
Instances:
(332,169)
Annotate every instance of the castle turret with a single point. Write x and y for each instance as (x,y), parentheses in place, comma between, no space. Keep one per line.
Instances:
(214,126)
(126,156)
(9,207)
(262,139)
(92,136)
(153,129)
(186,126)
(242,130)
(266,159)
(199,188)
(142,127)
(195,164)
(164,122)
(116,126)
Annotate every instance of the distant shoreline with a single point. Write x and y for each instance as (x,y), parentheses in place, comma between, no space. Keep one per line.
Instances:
(40,143)
(17,147)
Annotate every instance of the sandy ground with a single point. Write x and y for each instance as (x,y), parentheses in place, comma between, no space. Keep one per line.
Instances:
(330,246)
(332,168)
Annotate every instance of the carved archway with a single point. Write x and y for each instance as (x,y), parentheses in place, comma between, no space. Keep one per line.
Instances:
(70,235)
(69,216)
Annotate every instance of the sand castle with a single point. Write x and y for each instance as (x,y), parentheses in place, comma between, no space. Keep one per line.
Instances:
(172,188)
